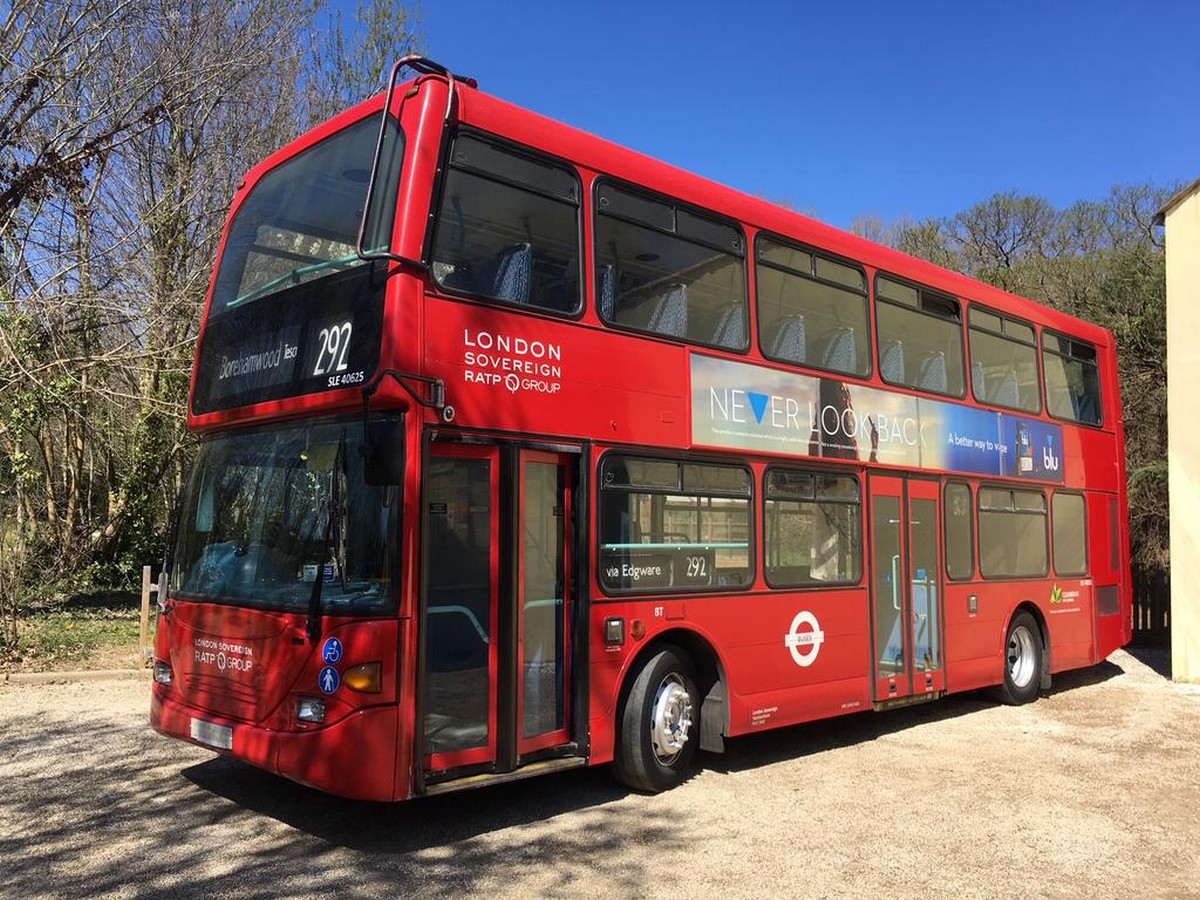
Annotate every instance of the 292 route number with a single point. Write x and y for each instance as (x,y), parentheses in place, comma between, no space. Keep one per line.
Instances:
(334,341)
(693,568)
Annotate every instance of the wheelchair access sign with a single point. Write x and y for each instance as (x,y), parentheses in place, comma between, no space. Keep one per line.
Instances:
(332,651)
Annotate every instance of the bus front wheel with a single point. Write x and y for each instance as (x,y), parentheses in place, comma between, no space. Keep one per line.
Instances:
(659,726)
(1022,660)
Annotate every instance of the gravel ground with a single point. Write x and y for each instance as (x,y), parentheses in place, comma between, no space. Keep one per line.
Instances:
(1093,791)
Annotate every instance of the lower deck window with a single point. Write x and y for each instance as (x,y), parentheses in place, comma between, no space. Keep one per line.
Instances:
(673,526)
(1070,534)
(813,529)
(1012,534)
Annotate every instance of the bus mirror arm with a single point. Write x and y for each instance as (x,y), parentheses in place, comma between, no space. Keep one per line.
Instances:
(422,66)
(437,389)
(383,441)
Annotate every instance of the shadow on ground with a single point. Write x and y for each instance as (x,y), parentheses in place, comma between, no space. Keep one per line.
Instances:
(404,827)
(1156,658)
(103,807)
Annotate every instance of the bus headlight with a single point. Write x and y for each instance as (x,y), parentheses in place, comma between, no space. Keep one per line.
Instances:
(162,673)
(310,709)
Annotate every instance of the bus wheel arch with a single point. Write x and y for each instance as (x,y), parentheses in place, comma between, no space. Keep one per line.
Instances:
(1026,655)
(671,704)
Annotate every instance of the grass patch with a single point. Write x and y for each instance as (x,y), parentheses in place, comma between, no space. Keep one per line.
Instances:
(92,631)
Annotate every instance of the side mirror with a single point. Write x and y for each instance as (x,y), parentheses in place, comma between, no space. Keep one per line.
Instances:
(383,452)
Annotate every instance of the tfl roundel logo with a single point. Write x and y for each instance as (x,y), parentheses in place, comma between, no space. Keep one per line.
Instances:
(804,638)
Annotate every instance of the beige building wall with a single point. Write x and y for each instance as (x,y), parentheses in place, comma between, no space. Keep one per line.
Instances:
(1182,220)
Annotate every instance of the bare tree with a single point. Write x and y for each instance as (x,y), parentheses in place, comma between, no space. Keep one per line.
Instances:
(126,125)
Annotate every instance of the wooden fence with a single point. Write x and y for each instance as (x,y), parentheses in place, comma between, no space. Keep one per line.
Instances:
(1151,608)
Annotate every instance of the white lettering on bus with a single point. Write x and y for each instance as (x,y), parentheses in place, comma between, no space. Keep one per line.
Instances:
(499,360)
(226,656)
(509,364)
(784,414)
(518,346)
(634,573)
(256,362)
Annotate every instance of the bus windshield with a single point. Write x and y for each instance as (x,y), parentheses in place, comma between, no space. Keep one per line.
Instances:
(256,527)
(301,219)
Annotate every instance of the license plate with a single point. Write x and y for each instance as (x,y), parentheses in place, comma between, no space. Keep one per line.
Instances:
(219,736)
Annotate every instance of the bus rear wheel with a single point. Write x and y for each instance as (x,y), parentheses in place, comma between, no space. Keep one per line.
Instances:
(1022,660)
(659,727)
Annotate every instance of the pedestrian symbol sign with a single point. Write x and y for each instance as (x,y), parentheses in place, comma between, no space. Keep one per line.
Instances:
(331,652)
(329,680)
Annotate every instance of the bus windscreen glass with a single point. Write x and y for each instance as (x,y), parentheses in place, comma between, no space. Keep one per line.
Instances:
(301,219)
(256,530)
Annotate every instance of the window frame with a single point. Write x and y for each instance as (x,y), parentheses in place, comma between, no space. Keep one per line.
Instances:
(860,503)
(814,253)
(1057,335)
(922,291)
(1005,318)
(970,576)
(446,166)
(680,461)
(1044,513)
(1087,562)
(644,193)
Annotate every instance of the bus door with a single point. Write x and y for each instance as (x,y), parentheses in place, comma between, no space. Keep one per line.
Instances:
(906,588)
(497,612)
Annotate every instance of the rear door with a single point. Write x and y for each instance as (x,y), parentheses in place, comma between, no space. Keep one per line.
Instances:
(906,590)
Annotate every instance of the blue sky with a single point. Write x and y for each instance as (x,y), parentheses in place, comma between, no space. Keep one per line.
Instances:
(852,108)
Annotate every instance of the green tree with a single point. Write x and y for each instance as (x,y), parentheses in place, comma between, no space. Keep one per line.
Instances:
(1101,261)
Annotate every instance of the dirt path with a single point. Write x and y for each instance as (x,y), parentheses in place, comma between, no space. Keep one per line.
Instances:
(1093,791)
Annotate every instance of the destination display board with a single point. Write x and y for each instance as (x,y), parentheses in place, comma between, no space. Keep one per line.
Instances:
(317,336)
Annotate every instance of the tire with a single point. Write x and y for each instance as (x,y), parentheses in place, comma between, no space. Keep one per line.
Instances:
(1022,660)
(659,725)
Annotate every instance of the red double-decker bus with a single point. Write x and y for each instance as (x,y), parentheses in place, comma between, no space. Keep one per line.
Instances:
(522,451)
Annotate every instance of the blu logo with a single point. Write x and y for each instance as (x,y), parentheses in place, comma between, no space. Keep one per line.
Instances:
(1049,458)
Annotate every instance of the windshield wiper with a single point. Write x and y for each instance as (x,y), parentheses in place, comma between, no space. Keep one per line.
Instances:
(294,277)
(314,599)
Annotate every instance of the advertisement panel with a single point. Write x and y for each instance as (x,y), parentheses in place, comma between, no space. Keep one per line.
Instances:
(748,407)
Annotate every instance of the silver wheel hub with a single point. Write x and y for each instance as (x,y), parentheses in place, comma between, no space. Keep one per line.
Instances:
(670,719)
(1021,657)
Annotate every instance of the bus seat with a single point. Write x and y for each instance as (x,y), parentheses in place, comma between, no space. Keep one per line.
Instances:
(891,362)
(1085,408)
(790,340)
(514,272)
(669,315)
(841,351)
(933,373)
(608,292)
(731,328)
(978,380)
(1008,392)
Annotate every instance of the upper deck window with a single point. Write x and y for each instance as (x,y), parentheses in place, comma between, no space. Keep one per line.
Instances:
(812,310)
(667,270)
(300,221)
(1004,368)
(920,338)
(1072,379)
(508,227)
